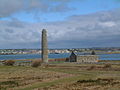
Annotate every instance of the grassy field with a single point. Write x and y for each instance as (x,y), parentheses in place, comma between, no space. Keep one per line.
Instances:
(66,76)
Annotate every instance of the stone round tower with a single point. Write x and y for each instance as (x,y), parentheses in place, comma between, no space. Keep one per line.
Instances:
(44,47)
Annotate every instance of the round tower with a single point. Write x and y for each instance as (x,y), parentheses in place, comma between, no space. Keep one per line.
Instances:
(44,47)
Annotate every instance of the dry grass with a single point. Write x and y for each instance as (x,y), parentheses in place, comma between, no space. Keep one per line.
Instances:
(9,62)
(98,84)
(60,77)
(22,76)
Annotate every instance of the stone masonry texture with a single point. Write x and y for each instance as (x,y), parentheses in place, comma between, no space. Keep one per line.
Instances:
(44,46)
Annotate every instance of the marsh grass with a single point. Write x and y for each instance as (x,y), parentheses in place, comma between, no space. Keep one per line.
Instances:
(36,63)
(8,84)
(29,78)
(9,62)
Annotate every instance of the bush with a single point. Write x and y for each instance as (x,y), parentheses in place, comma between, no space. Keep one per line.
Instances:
(36,63)
(93,53)
(91,67)
(67,59)
(107,66)
(9,62)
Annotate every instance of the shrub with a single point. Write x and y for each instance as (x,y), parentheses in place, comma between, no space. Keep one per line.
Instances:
(9,62)
(67,59)
(107,66)
(91,67)
(93,53)
(36,63)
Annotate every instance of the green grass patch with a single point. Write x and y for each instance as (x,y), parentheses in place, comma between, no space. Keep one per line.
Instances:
(8,84)
(63,80)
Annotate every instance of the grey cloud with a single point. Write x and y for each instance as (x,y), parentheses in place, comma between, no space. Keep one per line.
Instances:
(47,6)
(76,31)
(16,23)
(61,8)
(91,29)
(9,7)
(9,30)
(37,5)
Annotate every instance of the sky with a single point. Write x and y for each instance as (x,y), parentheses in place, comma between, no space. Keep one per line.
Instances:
(69,23)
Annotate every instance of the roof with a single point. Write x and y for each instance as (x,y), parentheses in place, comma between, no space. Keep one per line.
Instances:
(80,53)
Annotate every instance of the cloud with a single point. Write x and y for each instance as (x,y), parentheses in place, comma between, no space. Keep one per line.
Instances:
(108,24)
(76,31)
(9,30)
(15,23)
(8,8)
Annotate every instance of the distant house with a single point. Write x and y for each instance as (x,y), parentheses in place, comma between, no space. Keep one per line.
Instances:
(83,58)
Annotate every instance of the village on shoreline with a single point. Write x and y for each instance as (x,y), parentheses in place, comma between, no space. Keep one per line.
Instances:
(103,50)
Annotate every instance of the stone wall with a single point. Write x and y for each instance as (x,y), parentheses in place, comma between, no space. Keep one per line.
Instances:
(87,58)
